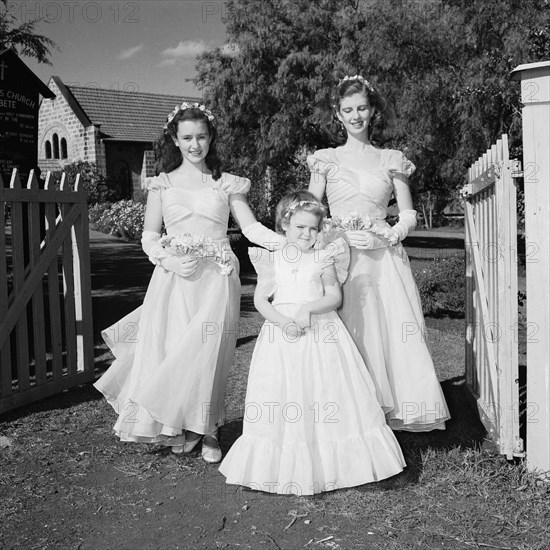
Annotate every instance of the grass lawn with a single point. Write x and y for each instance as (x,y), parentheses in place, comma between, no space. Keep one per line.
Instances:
(67,483)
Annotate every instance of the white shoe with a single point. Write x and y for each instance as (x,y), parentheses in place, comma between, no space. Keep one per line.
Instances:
(191,444)
(177,449)
(209,454)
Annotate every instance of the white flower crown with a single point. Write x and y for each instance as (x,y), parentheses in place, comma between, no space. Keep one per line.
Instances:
(359,78)
(303,203)
(187,105)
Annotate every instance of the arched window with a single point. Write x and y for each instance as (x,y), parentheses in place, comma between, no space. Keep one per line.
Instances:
(55,146)
(48,149)
(63,148)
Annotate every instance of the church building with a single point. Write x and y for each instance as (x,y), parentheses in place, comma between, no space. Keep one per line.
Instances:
(114,129)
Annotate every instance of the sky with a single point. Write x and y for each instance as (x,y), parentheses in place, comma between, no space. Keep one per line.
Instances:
(133,45)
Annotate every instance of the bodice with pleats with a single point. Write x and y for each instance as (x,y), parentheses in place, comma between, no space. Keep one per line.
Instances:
(352,186)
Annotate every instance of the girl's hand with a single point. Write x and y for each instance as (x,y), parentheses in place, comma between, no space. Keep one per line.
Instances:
(303,318)
(292,330)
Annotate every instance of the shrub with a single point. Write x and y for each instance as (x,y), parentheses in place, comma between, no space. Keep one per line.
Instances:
(123,218)
(441,285)
(98,188)
(95,215)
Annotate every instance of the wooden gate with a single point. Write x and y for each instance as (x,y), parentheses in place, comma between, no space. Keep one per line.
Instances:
(492,295)
(46,340)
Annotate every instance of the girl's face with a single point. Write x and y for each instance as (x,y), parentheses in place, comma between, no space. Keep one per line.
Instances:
(302,229)
(355,113)
(193,140)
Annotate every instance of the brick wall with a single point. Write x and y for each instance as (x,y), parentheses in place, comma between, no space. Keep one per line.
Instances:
(55,116)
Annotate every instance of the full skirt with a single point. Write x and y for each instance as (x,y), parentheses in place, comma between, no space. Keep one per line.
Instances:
(173,356)
(381,308)
(312,422)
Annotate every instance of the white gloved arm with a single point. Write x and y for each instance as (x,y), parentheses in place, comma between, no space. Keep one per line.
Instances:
(183,266)
(406,224)
(369,240)
(366,240)
(259,234)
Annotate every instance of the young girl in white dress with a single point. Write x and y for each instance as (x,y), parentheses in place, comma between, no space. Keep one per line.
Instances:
(173,353)
(312,422)
(381,306)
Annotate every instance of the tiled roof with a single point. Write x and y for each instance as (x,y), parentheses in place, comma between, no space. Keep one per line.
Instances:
(126,116)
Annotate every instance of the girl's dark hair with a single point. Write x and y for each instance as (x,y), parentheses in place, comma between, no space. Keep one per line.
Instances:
(168,156)
(381,123)
(290,204)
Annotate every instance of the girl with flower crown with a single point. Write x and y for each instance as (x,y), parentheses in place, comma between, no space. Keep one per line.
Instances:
(312,422)
(381,306)
(174,352)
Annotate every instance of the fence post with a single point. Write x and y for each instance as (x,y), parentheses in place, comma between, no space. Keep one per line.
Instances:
(535,96)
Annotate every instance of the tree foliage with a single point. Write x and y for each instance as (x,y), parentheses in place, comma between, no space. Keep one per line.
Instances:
(23,36)
(443,64)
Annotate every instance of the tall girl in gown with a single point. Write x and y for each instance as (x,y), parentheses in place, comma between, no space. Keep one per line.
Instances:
(173,353)
(312,422)
(381,306)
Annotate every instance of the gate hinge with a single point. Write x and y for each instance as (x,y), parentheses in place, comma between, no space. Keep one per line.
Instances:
(515,167)
(519,449)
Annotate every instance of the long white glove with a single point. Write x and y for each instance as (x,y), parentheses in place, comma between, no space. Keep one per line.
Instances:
(406,223)
(366,240)
(261,235)
(182,266)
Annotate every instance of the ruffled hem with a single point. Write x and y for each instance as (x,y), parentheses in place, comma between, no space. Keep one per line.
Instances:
(308,469)
(397,425)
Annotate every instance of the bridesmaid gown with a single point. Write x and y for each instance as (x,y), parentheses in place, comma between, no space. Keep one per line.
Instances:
(312,422)
(381,306)
(174,352)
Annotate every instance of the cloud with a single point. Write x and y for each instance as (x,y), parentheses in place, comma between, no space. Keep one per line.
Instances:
(130,52)
(230,50)
(188,48)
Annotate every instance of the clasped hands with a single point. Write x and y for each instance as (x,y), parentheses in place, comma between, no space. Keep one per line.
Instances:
(298,324)
(363,239)
(184,266)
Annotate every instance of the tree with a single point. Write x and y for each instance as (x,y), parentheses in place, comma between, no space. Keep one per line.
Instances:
(443,64)
(22,36)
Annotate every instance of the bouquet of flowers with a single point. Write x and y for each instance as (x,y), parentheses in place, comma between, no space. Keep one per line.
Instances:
(199,247)
(356,221)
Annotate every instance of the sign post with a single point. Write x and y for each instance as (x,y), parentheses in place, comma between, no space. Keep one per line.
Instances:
(20,89)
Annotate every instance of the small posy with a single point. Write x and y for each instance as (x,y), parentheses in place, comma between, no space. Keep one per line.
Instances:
(200,247)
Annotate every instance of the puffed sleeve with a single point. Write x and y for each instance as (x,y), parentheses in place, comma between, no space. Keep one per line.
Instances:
(233,185)
(321,162)
(156,183)
(263,262)
(336,253)
(398,163)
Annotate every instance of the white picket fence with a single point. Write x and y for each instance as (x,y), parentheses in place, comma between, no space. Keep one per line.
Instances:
(492,295)
(46,340)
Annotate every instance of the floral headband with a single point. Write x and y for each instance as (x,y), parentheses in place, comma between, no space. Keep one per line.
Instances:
(186,105)
(359,78)
(301,204)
